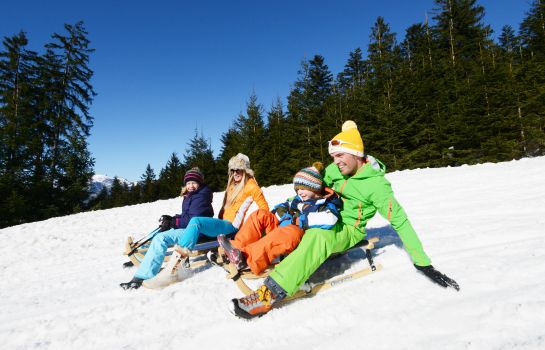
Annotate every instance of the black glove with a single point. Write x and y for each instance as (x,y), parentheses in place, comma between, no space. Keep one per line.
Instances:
(437,277)
(166,222)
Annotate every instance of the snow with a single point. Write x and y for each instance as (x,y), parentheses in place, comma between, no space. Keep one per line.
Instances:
(482,225)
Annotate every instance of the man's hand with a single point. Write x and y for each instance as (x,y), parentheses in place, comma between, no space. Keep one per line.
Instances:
(437,277)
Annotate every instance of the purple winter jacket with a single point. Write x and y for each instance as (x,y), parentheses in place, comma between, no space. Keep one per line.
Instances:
(197,203)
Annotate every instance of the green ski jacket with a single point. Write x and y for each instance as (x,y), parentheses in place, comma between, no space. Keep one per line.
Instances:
(367,192)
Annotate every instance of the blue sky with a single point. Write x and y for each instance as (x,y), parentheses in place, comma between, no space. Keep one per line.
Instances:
(164,68)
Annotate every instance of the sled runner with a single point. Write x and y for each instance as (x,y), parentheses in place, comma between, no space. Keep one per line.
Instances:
(179,259)
(135,250)
(308,288)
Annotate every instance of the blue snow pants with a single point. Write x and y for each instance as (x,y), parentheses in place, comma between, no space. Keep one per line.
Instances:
(211,227)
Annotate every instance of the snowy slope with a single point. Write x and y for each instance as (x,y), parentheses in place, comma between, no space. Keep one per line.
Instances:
(483,225)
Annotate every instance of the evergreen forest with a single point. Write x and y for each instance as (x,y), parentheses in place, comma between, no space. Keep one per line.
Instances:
(451,92)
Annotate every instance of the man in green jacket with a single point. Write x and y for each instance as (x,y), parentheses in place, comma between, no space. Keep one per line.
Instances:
(360,181)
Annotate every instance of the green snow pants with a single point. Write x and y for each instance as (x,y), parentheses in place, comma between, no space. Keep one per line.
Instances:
(315,247)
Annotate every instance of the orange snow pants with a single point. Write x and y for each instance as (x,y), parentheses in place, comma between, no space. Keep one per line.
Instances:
(261,240)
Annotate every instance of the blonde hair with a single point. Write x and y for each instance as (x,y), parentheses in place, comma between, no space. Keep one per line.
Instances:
(233,190)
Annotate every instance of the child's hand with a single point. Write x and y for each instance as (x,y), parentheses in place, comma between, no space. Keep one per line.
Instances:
(303,221)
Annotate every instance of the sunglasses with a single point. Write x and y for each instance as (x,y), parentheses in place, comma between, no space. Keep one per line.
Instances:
(238,171)
(339,143)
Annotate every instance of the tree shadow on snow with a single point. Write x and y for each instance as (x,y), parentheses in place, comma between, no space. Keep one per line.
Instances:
(338,265)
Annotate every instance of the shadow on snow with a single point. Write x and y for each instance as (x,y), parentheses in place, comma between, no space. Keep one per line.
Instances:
(338,265)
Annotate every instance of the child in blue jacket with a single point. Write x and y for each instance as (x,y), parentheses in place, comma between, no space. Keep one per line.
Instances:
(267,235)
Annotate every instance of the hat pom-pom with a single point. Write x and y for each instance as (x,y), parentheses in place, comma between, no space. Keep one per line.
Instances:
(318,166)
(349,124)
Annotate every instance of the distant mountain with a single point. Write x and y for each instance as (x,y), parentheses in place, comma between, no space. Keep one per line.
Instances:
(98,182)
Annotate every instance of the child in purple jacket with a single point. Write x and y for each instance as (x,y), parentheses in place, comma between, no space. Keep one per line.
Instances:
(197,202)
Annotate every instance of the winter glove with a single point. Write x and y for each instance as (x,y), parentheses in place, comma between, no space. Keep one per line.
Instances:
(283,215)
(437,277)
(280,210)
(166,222)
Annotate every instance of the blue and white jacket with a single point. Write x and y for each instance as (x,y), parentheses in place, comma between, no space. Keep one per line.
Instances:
(320,212)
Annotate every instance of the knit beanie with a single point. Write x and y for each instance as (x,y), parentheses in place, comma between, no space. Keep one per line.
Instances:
(240,161)
(194,174)
(348,140)
(309,178)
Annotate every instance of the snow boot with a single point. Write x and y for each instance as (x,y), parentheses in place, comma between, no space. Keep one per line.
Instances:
(233,254)
(169,274)
(254,305)
(135,283)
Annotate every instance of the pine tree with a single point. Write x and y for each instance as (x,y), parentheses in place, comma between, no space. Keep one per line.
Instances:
(500,135)
(350,100)
(171,178)
(295,119)
(251,129)
(273,162)
(387,124)
(15,79)
(231,145)
(148,186)
(319,124)
(72,92)
(463,45)
(135,194)
(510,44)
(532,74)
(459,29)
(354,73)
(117,194)
(246,135)
(15,110)
(418,91)
(308,113)
(199,154)
(532,29)
(74,181)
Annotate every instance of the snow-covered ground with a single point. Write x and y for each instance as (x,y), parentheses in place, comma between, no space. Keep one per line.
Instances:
(482,225)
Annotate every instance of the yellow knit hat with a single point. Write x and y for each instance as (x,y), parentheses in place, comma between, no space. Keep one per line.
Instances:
(347,141)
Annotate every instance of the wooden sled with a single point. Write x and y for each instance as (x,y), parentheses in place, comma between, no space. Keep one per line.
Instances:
(308,288)
(136,250)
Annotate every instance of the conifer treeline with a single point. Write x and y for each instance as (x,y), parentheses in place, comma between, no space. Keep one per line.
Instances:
(447,94)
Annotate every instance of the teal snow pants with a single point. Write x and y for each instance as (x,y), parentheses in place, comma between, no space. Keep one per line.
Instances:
(211,227)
